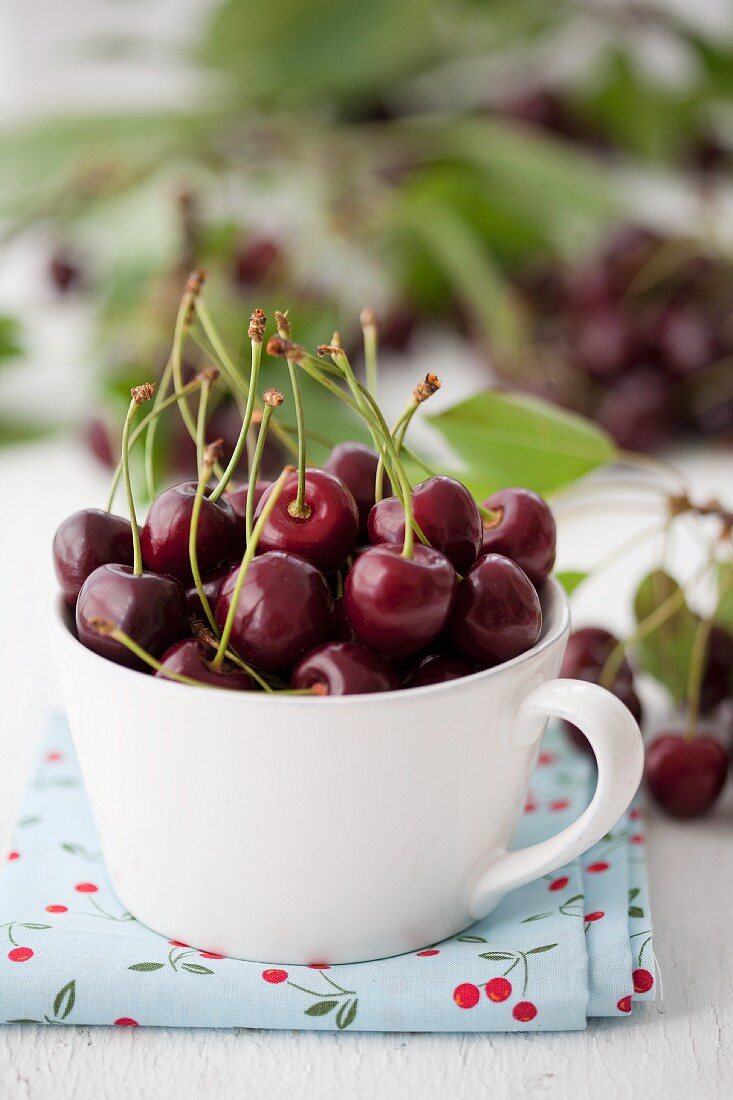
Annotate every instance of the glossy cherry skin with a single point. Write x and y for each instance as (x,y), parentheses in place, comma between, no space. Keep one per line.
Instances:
(328,535)
(717,681)
(164,538)
(399,605)
(285,609)
(589,648)
(191,658)
(344,668)
(623,689)
(212,583)
(497,614)
(237,498)
(524,532)
(150,608)
(438,668)
(446,513)
(342,628)
(685,777)
(356,465)
(83,542)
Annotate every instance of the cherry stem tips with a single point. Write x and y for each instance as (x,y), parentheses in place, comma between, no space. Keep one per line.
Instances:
(423,390)
(297,508)
(249,553)
(256,330)
(370,332)
(139,394)
(210,457)
(109,630)
(273,399)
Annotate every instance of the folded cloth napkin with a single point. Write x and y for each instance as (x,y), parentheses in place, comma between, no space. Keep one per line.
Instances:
(571,945)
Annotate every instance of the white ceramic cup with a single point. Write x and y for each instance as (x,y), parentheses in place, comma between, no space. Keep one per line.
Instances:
(333,830)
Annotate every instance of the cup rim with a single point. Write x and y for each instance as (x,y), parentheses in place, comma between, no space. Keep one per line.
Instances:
(559,624)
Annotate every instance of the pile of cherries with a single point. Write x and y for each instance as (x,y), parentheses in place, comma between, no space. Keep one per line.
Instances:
(334,592)
(684,774)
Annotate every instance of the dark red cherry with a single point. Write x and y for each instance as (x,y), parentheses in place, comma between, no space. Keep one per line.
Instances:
(623,689)
(328,535)
(86,540)
(438,669)
(258,259)
(717,681)
(164,538)
(344,668)
(446,513)
(285,608)
(342,628)
(685,776)
(524,531)
(237,498)
(398,605)
(637,410)
(150,608)
(191,658)
(589,648)
(497,613)
(356,465)
(212,583)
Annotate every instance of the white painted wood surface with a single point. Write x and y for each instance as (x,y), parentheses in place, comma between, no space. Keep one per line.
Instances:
(676,1048)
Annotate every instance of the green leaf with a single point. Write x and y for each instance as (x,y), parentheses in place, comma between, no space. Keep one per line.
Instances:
(539,950)
(571,579)
(496,956)
(145,968)
(575,897)
(506,439)
(537,916)
(320,1008)
(665,652)
(21,1021)
(346,1014)
(34,926)
(196,968)
(64,1000)
(724,610)
(634,893)
(10,345)
(636,911)
(470,939)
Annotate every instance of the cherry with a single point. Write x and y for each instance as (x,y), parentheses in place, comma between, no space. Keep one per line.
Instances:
(685,776)
(275,976)
(624,1005)
(343,629)
(397,327)
(524,1011)
(356,465)
(498,989)
(190,658)
(236,496)
(446,513)
(98,439)
(438,668)
(86,540)
(636,411)
(64,271)
(164,537)
(150,608)
(398,605)
(643,980)
(20,954)
(327,534)
(622,688)
(523,531)
(211,584)
(717,681)
(497,612)
(588,648)
(344,668)
(255,260)
(285,608)
(467,995)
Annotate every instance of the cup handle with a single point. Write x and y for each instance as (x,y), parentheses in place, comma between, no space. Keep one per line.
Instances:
(616,742)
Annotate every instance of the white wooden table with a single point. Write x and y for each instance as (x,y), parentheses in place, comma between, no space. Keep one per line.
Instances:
(678,1047)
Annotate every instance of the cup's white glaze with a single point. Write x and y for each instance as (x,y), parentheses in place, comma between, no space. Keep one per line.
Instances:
(330,830)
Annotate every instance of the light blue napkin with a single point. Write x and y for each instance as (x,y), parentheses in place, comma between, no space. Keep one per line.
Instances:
(568,946)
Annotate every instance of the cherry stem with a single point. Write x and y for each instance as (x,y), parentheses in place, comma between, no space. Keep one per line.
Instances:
(246,422)
(398,434)
(184,318)
(249,553)
(110,631)
(229,369)
(201,422)
(207,466)
(200,632)
(370,334)
(299,508)
(139,394)
(135,435)
(254,471)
